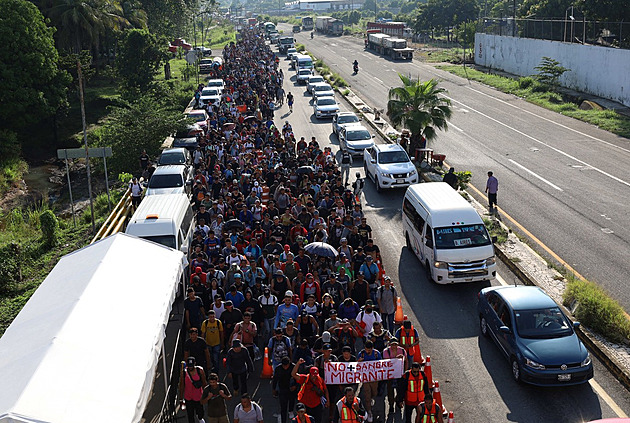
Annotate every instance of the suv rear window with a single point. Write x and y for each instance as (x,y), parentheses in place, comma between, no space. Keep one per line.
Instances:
(166,181)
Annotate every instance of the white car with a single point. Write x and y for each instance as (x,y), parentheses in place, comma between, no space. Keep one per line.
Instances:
(170,179)
(210,95)
(343,119)
(325,107)
(291,52)
(302,75)
(312,80)
(355,138)
(216,83)
(389,166)
(322,89)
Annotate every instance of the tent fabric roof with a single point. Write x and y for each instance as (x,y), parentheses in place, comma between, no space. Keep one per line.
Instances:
(86,345)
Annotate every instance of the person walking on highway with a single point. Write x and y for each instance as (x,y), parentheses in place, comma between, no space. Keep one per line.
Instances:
(284,387)
(192,380)
(248,411)
(429,410)
(346,163)
(280,95)
(349,409)
(450,178)
(313,392)
(412,390)
(239,364)
(215,395)
(290,101)
(492,186)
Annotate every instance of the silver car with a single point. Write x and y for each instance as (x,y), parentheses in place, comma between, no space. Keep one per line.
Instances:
(325,107)
(322,90)
(355,138)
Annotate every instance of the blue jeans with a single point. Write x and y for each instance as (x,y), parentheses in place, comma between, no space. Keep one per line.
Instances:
(215,353)
(269,327)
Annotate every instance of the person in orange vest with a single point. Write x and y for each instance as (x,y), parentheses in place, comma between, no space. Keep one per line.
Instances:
(301,415)
(408,338)
(429,411)
(412,389)
(349,409)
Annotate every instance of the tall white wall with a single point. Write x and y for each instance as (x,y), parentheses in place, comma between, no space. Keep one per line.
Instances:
(600,71)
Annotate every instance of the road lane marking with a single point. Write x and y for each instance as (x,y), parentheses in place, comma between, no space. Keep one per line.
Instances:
(543,143)
(378,80)
(607,399)
(535,175)
(532,237)
(450,125)
(554,122)
(501,280)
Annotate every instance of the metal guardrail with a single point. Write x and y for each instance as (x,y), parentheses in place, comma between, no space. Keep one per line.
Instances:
(116,219)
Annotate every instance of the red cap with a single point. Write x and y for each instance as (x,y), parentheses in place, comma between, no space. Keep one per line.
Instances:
(314,371)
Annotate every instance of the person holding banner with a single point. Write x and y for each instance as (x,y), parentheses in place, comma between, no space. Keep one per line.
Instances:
(313,392)
(394,351)
(349,409)
(412,389)
(369,389)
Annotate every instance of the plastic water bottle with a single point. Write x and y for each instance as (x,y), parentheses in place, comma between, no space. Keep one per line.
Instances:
(183,405)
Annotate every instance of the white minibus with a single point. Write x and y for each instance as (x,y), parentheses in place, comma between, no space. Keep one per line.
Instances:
(166,219)
(446,233)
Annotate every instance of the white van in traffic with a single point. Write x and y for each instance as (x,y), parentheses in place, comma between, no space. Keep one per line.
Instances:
(166,219)
(447,234)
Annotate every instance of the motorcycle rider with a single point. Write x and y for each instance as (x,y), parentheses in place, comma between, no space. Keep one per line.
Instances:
(311,35)
(355,66)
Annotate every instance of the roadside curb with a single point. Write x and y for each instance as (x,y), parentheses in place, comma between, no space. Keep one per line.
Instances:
(597,348)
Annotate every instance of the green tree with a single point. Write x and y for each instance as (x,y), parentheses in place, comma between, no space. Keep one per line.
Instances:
(80,23)
(421,107)
(141,125)
(445,14)
(550,71)
(33,86)
(466,33)
(140,56)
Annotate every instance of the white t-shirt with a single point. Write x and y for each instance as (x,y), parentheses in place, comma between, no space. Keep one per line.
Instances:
(369,319)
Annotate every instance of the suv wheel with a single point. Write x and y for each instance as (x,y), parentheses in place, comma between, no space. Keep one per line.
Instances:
(516,370)
(378,184)
(483,326)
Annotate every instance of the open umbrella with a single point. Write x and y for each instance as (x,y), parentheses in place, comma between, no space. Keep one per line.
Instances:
(233,224)
(248,118)
(229,126)
(321,249)
(305,169)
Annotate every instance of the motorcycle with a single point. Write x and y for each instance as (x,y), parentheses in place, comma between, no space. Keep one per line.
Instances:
(355,68)
(311,35)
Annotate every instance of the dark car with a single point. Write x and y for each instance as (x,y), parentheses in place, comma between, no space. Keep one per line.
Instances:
(534,335)
(187,138)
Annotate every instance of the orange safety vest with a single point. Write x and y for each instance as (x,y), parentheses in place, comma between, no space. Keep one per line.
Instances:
(429,414)
(415,389)
(307,419)
(405,339)
(348,415)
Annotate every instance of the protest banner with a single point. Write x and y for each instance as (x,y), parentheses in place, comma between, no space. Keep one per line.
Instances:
(363,371)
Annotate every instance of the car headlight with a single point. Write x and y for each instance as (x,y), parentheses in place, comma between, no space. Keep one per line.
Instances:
(533,364)
(386,175)
(413,172)
(587,361)
(491,260)
(440,265)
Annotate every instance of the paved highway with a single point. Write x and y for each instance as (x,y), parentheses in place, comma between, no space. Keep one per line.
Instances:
(475,379)
(563,180)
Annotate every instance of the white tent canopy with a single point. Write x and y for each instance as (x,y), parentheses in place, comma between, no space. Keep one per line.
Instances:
(86,345)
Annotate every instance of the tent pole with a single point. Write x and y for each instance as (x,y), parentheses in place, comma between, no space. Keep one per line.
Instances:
(165,372)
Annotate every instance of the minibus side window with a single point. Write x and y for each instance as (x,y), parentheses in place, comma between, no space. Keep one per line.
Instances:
(429,237)
(412,214)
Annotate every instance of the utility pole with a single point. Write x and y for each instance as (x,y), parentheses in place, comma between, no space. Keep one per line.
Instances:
(513,18)
(87,152)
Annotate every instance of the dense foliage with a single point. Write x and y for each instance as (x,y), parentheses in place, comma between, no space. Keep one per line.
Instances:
(33,85)
(139,58)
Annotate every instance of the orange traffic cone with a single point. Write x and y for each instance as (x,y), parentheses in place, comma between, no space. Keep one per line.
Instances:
(437,396)
(398,317)
(417,355)
(267,371)
(427,370)
(450,417)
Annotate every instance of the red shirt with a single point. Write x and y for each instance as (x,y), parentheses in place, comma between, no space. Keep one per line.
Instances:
(307,394)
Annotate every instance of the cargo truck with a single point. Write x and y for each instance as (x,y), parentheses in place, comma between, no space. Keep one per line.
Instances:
(307,23)
(393,48)
(329,25)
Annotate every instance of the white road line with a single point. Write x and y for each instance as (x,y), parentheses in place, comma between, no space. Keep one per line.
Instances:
(543,143)
(394,70)
(536,175)
(450,125)
(378,80)
(607,399)
(501,280)
(553,122)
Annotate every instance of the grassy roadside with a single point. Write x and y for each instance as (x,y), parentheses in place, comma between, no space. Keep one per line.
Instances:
(25,256)
(11,170)
(531,91)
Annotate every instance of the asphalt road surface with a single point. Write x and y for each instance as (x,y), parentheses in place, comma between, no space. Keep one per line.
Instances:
(475,379)
(563,180)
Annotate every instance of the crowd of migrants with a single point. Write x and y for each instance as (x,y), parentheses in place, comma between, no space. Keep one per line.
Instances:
(252,283)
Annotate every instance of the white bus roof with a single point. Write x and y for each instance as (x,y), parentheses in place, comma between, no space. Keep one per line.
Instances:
(446,206)
(158,209)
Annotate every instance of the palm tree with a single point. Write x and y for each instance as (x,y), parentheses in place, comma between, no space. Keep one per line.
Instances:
(420,107)
(79,23)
